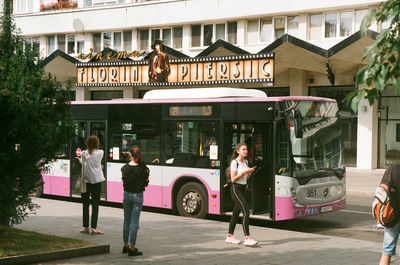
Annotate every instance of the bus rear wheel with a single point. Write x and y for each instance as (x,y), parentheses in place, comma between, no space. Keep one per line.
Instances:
(192,200)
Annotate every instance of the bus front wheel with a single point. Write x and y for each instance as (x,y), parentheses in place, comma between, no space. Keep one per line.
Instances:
(192,200)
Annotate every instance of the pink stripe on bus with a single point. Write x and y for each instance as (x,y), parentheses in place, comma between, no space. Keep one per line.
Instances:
(160,196)
(285,209)
(54,185)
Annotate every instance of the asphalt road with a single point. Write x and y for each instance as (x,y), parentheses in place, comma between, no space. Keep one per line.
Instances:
(355,222)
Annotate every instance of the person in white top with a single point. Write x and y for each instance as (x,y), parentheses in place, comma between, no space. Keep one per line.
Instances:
(240,173)
(92,173)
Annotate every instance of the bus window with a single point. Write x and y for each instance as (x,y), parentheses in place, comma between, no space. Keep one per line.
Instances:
(145,135)
(192,144)
(283,157)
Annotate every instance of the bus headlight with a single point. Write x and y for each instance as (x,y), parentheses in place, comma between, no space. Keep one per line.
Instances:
(294,196)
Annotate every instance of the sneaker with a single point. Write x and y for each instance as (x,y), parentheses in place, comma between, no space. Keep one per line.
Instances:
(249,241)
(232,239)
(134,252)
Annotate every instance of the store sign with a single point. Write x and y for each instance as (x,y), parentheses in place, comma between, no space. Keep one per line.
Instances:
(256,68)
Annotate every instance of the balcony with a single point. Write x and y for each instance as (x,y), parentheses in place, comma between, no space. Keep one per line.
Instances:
(60,5)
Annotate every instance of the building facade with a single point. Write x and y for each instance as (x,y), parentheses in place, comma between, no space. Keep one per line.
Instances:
(308,38)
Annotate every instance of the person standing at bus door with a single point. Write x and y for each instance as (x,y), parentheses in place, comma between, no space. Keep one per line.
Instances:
(391,234)
(240,173)
(135,178)
(93,176)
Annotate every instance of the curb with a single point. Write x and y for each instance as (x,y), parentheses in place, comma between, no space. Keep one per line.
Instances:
(54,255)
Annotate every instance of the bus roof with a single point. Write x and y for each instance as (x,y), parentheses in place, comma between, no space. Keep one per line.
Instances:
(197,100)
(214,92)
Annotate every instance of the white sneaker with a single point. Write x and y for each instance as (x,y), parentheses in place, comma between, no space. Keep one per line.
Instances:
(249,241)
(232,239)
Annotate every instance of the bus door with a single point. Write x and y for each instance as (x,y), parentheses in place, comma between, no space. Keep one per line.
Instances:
(260,155)
(256,136)
(83,129)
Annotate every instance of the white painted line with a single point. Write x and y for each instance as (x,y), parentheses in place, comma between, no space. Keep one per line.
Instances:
(350,211)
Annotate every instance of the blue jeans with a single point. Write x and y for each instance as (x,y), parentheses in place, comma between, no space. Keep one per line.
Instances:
(390,237)
(133,204)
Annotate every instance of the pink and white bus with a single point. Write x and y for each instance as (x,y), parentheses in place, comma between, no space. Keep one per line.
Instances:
(187,137)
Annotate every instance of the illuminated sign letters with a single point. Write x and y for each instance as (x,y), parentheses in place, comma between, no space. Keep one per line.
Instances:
(255,68)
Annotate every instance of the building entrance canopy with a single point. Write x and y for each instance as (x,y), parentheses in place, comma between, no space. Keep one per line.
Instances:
(221,63)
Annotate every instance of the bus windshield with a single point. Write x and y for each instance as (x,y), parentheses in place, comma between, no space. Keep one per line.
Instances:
(315,139)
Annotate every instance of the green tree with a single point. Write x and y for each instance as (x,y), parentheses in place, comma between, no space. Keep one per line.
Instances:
(383,67)
(35,122)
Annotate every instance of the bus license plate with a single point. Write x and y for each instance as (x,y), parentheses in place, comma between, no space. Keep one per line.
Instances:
(325,209)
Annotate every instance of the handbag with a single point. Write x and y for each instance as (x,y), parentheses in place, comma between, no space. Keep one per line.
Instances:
(80,184)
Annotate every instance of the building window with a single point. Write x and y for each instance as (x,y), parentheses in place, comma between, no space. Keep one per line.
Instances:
(177,37)
(75,44)
(330,25)
(360,14)
(252,31)
(220,32)
(266,30)
(315,27)
(117,41)
(25,6)
(279,26)
(144,39)
(167,37)
(51,44)
(106,40)
(171,37)
(105,2)
(346,23)
(196,35)
(61,42)
(97,42)
(127,40)
(33,42)
(106,95)
(232,32)
(112,40)
(208,35)
(71,44)
(293,25)
(336,24)
(155,34)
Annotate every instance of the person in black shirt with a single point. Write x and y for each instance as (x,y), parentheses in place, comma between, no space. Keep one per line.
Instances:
(135,177)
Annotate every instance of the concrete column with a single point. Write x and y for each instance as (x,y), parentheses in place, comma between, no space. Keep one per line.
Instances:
(297,83)
(241,33)
(88,39)
(130,92)
(135,40)
(186,39)
(367,135)
(82,93)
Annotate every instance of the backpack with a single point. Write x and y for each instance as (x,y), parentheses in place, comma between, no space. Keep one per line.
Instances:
(228,181)
(385,205)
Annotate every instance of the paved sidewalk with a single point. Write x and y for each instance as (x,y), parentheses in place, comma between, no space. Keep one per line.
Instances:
(170,239)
